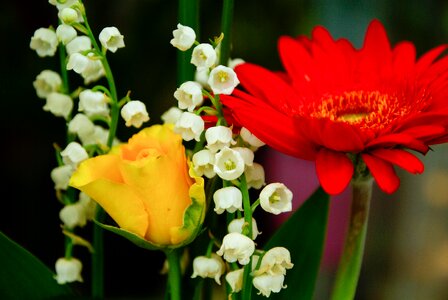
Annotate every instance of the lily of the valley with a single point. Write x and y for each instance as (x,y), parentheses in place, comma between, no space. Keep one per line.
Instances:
(275,262)
(255,176)
(68,270)
(203,162)
(44,42)
(236,247)
(93,103)
(73,154)
(267,284)
(276,198)
(218,137)
(235,280)
(228,199)
(111,38)
(65,33)
(229,165)
(58,104)
(209,267)
(222,80)
(61,176)
(190,126)
(134,113)
(78,44)
(47,82)
(203,56)
(189,95)
(237,225)
(183,37)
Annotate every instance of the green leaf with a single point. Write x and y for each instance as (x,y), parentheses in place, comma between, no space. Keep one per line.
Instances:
(23,276)
(303,234)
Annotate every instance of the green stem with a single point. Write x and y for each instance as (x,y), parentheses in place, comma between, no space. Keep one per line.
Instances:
(247,280)
(350,264)
(174,273)
(98,257)
(188,16)
(226,26)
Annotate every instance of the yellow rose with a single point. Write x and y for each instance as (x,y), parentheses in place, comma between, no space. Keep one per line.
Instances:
(145,186)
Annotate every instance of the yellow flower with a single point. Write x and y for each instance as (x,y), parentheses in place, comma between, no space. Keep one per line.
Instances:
(146,187)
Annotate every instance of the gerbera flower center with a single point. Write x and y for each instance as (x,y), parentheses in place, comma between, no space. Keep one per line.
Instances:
(366,109)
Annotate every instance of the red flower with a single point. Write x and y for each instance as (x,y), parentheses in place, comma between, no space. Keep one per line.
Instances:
(336,104)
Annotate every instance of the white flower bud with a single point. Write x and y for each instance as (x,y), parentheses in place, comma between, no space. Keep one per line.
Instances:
(275,262)
(203,161)
(59,105)
(236,246)
(223,80)
(172,115)
(81,125)
(73,154)
(88,204)
(61,176)
(68,15)
(229,164)
(183,37)
(218,137)
(68,270)
(47,82)
(255,177)
(93,103)
(235,62)
(79,44)
(44,42)
(208,267)
(99,136)
(228,199)
(251,139)
(246,154)
(235,280)
(189,95)
(65,33)
(267,284)
(276,198)
(236,225)
(73,215)
(134,113)
(111,39)
(190,126)
(203,56)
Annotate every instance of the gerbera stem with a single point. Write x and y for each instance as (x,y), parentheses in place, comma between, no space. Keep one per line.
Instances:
(189,16)
(174,273)
(226,26)
(351,259)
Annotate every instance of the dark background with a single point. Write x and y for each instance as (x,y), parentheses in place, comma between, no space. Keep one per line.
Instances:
(407,247)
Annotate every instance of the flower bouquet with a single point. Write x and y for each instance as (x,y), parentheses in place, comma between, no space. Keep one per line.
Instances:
(192,188)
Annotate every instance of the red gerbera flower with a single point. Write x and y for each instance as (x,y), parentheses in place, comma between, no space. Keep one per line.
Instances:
(337,104)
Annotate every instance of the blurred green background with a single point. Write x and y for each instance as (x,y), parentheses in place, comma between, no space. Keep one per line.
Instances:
(407,244)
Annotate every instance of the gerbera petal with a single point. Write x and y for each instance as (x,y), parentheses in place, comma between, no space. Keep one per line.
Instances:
(403,59)
(334,170)
(428,58)
(399,139)
(383,172)
(425,132)
(266,85)
(401,158)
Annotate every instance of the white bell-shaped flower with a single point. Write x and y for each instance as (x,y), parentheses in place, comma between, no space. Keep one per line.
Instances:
(65,33)
(229,165)
(236,225)
(77,62)
(235,62)
(79,44)
(201,76)
(47,82)
(223,80)
(228,199)
(81,125)
(88,204)
(68,15)
(61,4)
(134,113)
(183,37)
(68,270)
(255,176)
(189,95)
(203,56)
(94,69)
(218,137)
(172,115)
(61,176)
(111,39)
(250,139)
(73,215)
(44,42)
(236,247)
(99,137)
(58,104)
(246,154)
(267,284)
(73,154)
(276,198)
(235,280)
(190,126)
(208,267)
(203,161)
(275,262)
(93,103)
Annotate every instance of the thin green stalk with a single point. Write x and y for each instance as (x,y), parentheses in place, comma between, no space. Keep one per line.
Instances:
(188,16)
(350,264)
(247,280)
(174,273)
(226,26)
